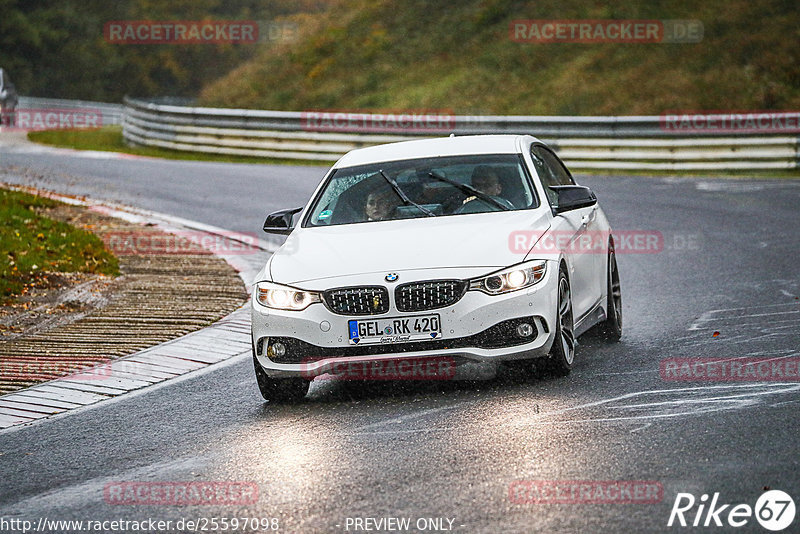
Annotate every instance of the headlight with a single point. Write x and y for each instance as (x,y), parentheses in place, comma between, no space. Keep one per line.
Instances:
(510,279)
(285,297)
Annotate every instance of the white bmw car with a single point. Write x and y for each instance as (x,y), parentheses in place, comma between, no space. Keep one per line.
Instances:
(473,248)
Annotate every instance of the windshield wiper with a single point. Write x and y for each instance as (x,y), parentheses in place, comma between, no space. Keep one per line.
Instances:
(469,190)
(407,201)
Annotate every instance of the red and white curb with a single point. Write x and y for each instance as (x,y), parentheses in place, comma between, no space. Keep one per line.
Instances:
(223,340)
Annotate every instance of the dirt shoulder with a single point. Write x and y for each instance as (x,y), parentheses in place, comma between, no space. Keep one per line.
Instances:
(75,321)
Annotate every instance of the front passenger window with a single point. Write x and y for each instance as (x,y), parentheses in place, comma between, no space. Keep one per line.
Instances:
(545,175)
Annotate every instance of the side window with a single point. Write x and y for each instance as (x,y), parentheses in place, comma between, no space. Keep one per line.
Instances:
(550,170)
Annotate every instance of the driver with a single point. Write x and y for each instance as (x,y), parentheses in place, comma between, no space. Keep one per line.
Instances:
(486,180)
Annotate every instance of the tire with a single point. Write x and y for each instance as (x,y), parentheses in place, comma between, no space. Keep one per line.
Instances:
(611,328)
(562,354)
(279,390)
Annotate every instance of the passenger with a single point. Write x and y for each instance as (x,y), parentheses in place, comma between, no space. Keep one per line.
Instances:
(379,205)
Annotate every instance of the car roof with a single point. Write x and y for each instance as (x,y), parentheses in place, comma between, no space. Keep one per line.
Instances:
(440,146)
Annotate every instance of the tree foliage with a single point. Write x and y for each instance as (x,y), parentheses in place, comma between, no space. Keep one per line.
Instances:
(56,48)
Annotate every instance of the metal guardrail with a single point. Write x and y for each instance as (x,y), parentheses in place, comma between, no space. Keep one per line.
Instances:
(112,113)
(585,143)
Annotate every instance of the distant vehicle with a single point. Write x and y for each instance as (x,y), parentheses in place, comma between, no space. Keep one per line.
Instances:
(8,99)
(410,250)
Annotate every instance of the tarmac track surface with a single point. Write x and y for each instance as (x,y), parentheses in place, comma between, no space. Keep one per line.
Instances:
(453,450)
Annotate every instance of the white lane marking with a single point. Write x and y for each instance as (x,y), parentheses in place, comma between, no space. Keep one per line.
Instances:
(724,186)
(648,371)
(408,430)
(711,315)
(738,397)
(742,338)
(793,401)
(408,417)
(788,386)
(778,323)
(735,320)
(696,406)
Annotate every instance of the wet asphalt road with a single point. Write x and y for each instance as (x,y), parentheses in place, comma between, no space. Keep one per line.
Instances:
(452,450)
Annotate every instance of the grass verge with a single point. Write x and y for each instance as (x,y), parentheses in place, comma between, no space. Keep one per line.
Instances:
(32,245)
(109,139)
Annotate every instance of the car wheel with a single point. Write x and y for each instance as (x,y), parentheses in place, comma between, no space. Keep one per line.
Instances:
(559,362)
(611,328)
(279,389)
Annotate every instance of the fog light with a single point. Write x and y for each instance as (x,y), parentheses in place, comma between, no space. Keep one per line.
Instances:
(524,330)
(277,349)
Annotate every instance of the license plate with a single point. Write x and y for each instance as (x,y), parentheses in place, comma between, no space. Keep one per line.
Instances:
(395,329)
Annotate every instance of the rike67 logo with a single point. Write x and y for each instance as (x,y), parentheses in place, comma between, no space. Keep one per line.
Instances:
(774,510)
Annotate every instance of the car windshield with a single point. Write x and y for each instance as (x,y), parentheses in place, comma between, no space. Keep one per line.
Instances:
(425,187)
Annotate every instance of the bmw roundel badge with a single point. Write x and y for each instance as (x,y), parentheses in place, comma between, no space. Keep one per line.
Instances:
(391,277)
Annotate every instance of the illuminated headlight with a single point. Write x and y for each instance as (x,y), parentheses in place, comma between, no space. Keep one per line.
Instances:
(510,279)
(285,297)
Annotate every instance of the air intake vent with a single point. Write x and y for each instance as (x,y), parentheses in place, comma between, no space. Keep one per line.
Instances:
(372,300)
(430,295)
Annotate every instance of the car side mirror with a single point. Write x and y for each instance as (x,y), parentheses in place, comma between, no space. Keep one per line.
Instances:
(572,197)
(280,222)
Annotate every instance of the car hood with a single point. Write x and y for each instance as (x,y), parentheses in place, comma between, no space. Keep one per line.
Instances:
(463,241)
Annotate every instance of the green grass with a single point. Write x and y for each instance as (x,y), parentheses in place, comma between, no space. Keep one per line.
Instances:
(32,244)
(109,139)
(382,55)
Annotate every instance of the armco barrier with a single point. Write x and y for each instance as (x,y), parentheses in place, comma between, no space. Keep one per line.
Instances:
(636,143)
(112,113)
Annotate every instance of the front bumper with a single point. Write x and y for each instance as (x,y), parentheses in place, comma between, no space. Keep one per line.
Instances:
(478,328)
